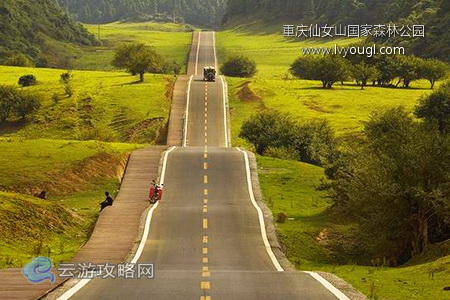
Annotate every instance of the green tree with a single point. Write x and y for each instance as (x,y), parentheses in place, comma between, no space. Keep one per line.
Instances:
(239,66)
(7,101)
(435,108)
(268,129)
(395,185)
(138,59)
(328,69)
(362,73)
(433,70)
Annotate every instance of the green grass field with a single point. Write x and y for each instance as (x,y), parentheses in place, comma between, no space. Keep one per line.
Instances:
(108,106)
(293,187)
(345,106)
(171,40)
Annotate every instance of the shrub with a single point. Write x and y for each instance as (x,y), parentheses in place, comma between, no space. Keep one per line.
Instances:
(16,103)
(27,80)
(239,66)
(66,78)
(19,60)
(277,135)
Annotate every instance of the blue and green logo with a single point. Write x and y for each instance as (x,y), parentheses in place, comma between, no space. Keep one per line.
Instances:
(39,270)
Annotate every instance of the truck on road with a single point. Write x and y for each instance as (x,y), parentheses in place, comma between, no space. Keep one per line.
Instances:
(209,74)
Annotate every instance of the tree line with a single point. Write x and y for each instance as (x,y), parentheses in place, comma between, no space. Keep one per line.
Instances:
(197,12)
(381,70)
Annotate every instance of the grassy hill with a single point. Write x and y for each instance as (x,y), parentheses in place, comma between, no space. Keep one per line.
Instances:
(40,30)
(105,106)
(56,227)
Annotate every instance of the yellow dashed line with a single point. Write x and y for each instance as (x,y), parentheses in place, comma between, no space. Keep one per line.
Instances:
(205,250)
(205,223)
(205,166)
(205,239)
(205,156)
(205,285)
(206,141)
(205,201)
(205,192)
(205,179)
(206,121)
(205,260)
(205,268)
(205,298)
(206,274)
(205,210)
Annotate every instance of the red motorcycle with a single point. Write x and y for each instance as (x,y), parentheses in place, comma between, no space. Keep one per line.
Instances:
(155,193)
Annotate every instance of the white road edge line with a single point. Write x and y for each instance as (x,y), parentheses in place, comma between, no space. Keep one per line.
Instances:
(340,295)
(260,214)
(67,295)
(224,96)
(198,51)
(186,115)
(215,52)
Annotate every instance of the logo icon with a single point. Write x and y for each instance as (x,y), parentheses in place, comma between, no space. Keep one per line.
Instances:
(39,270)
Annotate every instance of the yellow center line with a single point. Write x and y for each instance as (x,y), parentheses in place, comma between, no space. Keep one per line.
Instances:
(205,166)
(205,210)
(205,260)
(205,223)
(205,179)
(205,285)
(206,141)
(206,121)
(205,201)
(205,298)
(205,239)
(205,155)
(205,268)
(205,250)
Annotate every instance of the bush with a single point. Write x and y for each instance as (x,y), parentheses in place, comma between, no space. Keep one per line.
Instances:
(66,78)
(27,80)
(239,66)
(19,60)
(16,103)
(277,135)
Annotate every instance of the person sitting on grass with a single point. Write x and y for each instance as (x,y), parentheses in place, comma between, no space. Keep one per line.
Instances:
(108,201)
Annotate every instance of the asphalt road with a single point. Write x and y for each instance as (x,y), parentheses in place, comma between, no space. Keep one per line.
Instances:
(205,239)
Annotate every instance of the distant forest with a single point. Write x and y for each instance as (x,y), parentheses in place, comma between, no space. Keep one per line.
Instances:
(197,12)
(434,14)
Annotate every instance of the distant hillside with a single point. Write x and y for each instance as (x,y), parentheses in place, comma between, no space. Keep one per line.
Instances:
(39,29)
(197,12)
(435,14)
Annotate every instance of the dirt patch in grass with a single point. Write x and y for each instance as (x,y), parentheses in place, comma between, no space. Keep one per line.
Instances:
(314,105)
(245,93)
